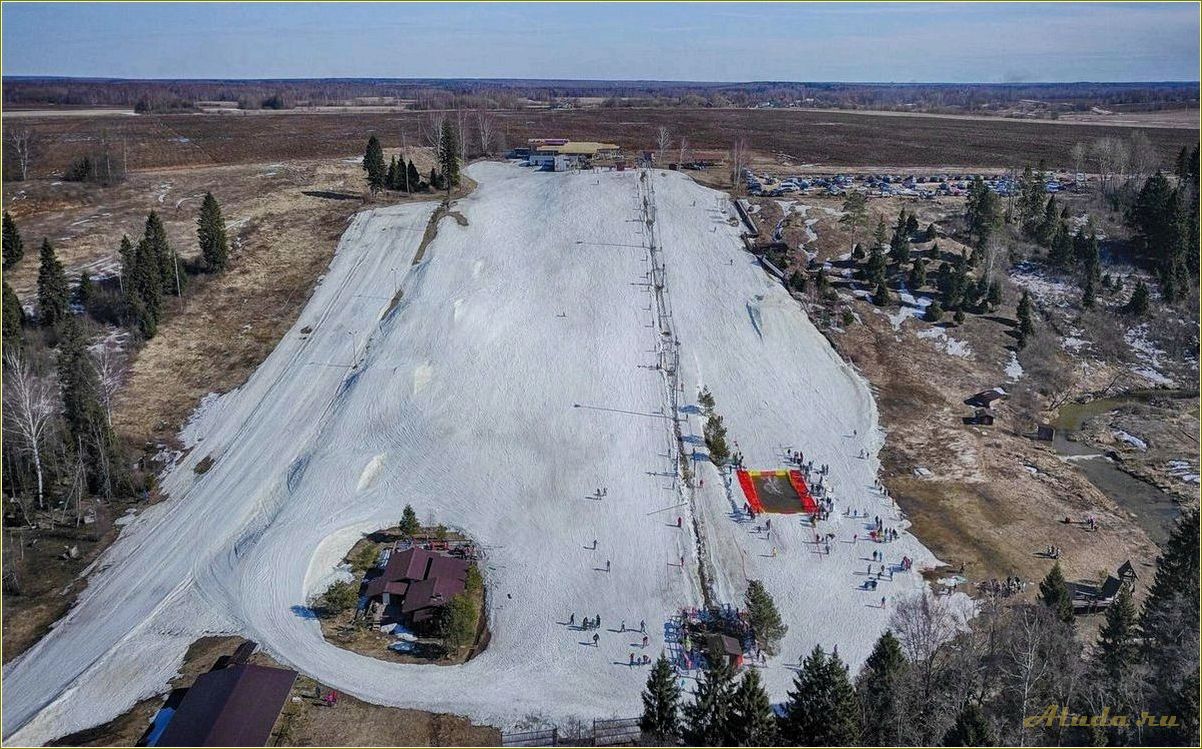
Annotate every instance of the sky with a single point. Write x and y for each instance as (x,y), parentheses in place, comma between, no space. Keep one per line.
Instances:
(870,42)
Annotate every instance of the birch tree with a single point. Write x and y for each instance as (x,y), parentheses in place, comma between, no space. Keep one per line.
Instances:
(484,126)
(665,140)
(23,145)
(30,405)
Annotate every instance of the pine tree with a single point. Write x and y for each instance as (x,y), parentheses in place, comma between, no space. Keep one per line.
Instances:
(911,227)
(144,291)
(706,718)
(1117,652)
(874,269)
(821,709)
(391,179)
(1138,304)
(172,278)
(934,312)
(448,154)
(797,280)
(84,290)
(1053,593)
(661,701)
(1026,326)
(409,524)
(210,231)
(14,319)
(899,248)
(918,275)
(763,616)
(970,729)
(1051,221)
(752,721)
(82,410)
(855,211)
(373,164)
(53,294)
(14,248)
(930,234)
(1088,294)
(1169,624)
(881,296)
(879,688)
(415,177)
(958,317)
(880,233)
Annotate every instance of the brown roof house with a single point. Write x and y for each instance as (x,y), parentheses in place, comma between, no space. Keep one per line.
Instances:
(233,706)
(414,586)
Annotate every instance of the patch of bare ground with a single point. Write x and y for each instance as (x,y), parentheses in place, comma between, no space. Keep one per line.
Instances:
(985,497)
(305,720)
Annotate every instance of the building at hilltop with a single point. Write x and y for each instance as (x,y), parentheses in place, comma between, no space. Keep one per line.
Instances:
(561,154)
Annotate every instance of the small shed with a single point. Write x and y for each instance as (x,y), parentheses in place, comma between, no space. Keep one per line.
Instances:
(986,398)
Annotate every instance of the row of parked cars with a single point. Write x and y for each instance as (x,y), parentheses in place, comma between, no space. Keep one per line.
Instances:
(926,186)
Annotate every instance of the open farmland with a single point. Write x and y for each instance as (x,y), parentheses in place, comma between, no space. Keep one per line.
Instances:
(812,137)
(528,364)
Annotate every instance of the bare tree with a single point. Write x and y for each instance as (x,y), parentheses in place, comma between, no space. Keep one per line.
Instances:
(738,161)
(484,126)
(684,149)
(665,141)
(461,133)
(431,130)
(24,146)
(30,405)
(1144,159)
(110,371)
(1079,152)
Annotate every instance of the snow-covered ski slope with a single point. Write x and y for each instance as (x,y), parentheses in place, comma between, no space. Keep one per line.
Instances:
(516,377)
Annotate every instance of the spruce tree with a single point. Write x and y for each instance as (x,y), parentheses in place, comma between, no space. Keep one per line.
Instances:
(373,164)
(83,413)
(393,173)
(880,233)
(821,709)
(934,312)
(1053,593)
(881,296)
(1026,325)
(752,721)
(899,248)
(84,290)
(415,177)
(409,524)
(874,269)
(706,718)
(661,703)
(14,248)
(918,275)
(210,231)
(970,729)
(172,277)
(1169,624)
(993,295)
(1117,652)
(144,291)
(763,616)
(14,319)
(53,294)
(448,153)
(1088,294)
(880,690)
(1138,304)
(911,227)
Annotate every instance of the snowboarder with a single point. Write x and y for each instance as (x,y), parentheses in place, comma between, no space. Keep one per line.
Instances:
(597,637)
(644,640)
(882,602)
(632,660)
(678,521)
(682,562)
(642,625)
(572,619)
(607,565)
(623,627)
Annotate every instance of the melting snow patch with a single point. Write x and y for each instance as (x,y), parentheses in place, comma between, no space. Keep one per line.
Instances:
(1014,370)
(1148,354)
(1130,439)
(923,472)
(950,345)
(1183,470)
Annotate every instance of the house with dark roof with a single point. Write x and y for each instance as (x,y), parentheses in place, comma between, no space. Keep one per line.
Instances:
(233,706)
(414,586)
(1091,596)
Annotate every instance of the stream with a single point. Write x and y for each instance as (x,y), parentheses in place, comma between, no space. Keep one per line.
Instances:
(1151,509)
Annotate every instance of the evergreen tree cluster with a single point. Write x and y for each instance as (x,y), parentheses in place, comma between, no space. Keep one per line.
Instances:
(974,685)
(400,175)
(1164,218)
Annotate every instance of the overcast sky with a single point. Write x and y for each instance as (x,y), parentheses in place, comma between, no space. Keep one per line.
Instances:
(704,42)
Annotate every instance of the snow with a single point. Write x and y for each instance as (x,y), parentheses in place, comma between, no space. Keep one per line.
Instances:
(475,401)
(1183,470)
(1130,439)
(951,346)
(911,306)
(1013,369)
(1148,354)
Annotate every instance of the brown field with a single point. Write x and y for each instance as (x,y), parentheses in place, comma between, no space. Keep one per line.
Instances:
(804,137)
